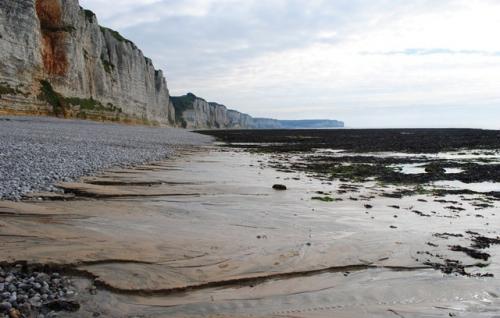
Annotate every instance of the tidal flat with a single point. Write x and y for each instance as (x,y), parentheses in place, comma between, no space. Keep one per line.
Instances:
(379,231)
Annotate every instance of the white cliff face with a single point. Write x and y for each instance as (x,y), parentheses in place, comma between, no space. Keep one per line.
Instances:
(20,56)
(196,113)
(57,41)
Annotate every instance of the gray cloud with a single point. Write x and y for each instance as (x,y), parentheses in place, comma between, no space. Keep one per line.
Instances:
(231,31)
(432,51)
(334,58)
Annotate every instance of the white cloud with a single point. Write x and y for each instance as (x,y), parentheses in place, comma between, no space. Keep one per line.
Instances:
(369,62)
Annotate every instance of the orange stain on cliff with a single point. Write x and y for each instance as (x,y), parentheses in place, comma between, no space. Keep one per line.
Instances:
(54,56)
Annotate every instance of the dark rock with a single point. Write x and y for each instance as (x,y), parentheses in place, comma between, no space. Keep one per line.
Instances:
(279,187)
(5,306)
(471,252)
(435,169)
(63,305)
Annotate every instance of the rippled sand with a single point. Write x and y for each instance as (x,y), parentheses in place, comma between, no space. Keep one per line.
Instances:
(205,235)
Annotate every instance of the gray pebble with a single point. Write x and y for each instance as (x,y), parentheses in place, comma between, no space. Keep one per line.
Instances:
(5,306)
(42,277)
(40,151)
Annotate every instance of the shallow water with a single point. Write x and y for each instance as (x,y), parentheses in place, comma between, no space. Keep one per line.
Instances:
(416,168)
(484,187)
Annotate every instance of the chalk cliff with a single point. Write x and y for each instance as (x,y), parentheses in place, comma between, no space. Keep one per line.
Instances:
(55,58)
(196,113)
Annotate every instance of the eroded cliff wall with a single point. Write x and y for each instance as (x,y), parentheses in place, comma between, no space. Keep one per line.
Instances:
(196,113)
(55,58)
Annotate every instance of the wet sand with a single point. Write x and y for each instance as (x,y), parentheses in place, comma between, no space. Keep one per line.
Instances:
(205,235)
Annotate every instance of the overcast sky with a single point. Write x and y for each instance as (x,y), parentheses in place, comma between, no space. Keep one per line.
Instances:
(371,63)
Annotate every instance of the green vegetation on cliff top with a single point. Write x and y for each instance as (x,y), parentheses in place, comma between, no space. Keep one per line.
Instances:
(117,35)
(89,15)
(181,104)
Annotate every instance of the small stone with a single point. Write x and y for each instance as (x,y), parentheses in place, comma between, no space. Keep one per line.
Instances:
(52,314)
(2,287)
(35,301)
(22,298)
(279,187)
(43,277)
(63,305)
(5,306)
(23,286)
(25,308)
(14,313)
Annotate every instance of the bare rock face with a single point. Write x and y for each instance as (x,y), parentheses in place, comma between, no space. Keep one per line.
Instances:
(196,113)
(54,54)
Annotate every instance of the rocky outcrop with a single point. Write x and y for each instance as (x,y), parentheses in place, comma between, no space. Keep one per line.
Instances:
(196,113)
(55,58)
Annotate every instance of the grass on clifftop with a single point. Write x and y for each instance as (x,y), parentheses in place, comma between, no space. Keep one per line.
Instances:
(89,15)
(181,104)
(117,35)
